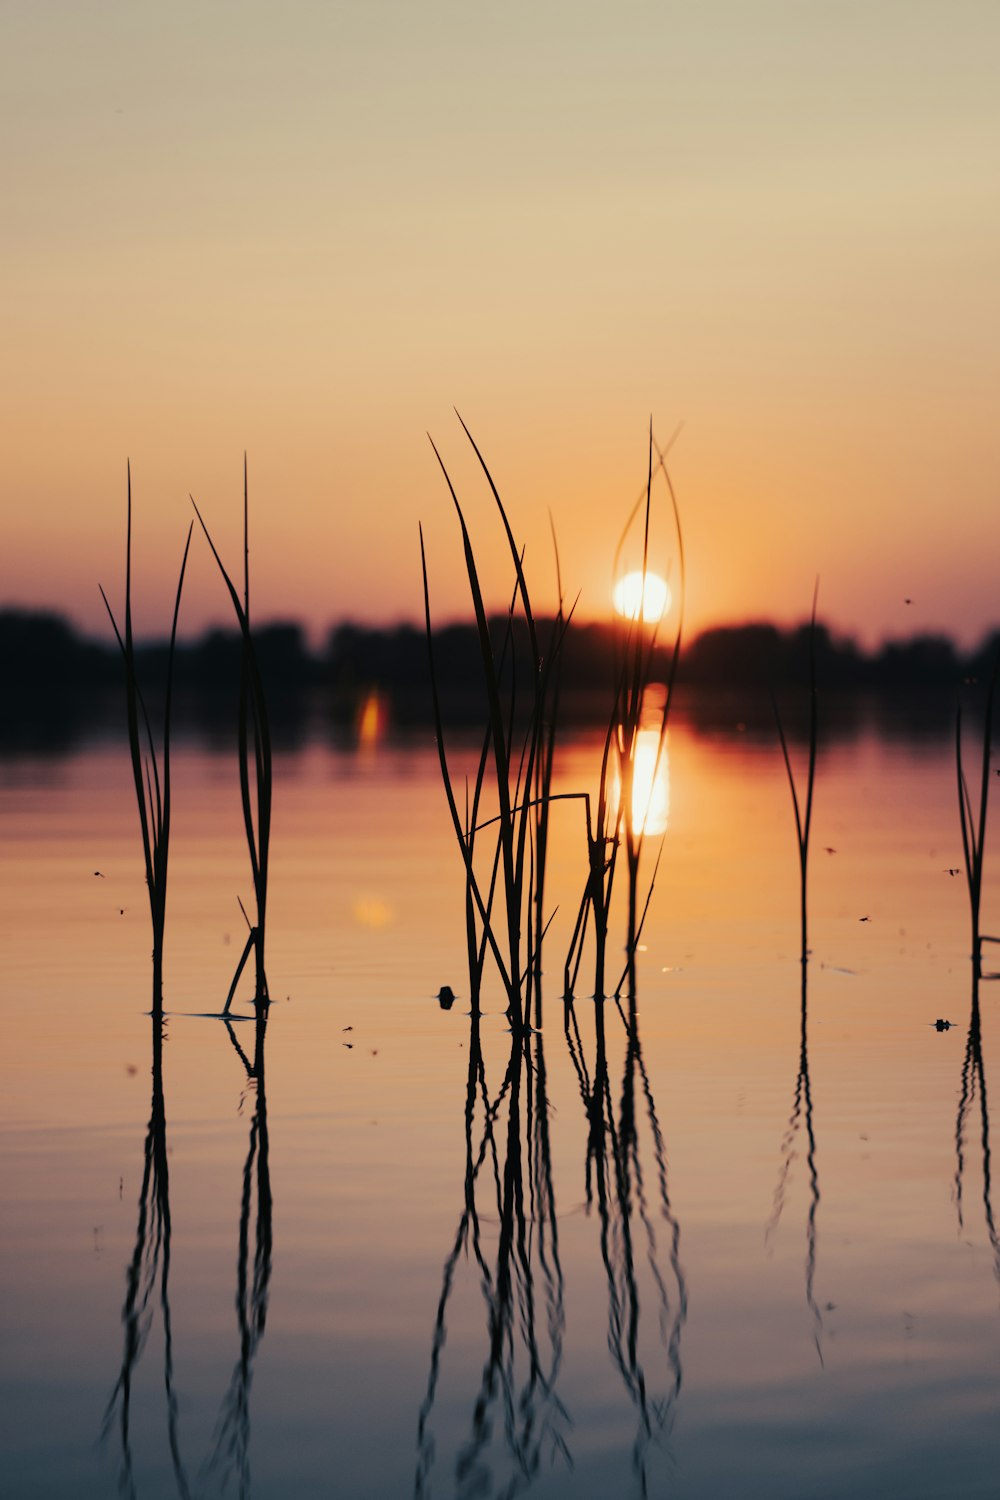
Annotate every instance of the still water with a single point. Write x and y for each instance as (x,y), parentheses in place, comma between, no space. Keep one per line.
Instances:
(749,1250)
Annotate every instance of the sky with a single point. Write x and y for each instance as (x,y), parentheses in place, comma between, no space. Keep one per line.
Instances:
(312,232)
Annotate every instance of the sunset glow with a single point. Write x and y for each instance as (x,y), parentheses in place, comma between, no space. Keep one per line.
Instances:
(455,409)
(321,283)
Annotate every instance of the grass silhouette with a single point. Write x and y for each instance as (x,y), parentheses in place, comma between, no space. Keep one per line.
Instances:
(973,821)
(150,773)
(803,809)
(516,762)
(254,756)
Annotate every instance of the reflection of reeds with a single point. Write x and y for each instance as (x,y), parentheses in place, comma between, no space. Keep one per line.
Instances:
(974,823)
(253,1274)
(252,724)
(616,1184)
(152,789)
(517,1395)
(973,1083)
(802,1106)
(514,771)
(802,1115)
(148,1273)
(803,811)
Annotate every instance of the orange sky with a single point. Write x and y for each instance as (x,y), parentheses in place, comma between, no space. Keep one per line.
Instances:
(308,231)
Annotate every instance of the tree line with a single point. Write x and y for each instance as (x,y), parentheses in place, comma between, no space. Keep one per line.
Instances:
(54,676)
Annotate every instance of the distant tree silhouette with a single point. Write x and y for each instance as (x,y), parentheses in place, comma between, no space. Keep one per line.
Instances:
(54,682)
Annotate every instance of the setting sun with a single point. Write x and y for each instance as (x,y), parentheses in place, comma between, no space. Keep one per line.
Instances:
(632,593)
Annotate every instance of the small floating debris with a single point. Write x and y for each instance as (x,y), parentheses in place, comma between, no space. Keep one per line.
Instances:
(864,919)
(941,1025)
(446,997)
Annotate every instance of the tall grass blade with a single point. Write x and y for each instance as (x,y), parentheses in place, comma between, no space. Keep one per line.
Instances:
(803,808)
(254,750)
(515,767)
(973,821)
(152,793)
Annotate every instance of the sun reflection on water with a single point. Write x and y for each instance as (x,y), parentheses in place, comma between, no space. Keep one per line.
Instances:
(650,768)
(373,720)
(650,784)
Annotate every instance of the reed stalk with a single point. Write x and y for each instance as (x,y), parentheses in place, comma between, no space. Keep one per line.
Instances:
(803,810)
(617,823)
(152,784)
(514,770)
(255,763)
(974,822)
(637,686)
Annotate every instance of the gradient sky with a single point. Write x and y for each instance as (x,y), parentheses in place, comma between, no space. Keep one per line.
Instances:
(309,230)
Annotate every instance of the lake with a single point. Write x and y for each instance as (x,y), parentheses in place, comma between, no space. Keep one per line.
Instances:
(745,1248)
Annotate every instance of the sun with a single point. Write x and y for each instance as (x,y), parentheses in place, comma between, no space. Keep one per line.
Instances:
(631,594)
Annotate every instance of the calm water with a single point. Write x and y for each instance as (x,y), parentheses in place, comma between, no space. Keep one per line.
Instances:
(732,1257)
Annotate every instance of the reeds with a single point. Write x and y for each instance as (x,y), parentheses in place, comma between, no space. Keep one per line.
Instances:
(254,751)
(617,820)
(638,658)
(974,822)
(803,809)
(515,762)
(802,1104)
(152,784)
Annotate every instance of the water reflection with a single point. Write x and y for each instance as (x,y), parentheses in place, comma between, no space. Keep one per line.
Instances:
(973,1086)
(148,1274)
(616,1184)
(649,778)
(801,1118)
(148,1284)
(518,1421)
(231,1455)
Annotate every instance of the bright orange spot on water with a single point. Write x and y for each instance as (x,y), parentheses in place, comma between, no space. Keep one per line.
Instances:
(373,719)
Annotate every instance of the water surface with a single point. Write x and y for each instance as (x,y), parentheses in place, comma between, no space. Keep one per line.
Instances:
(733,1254)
